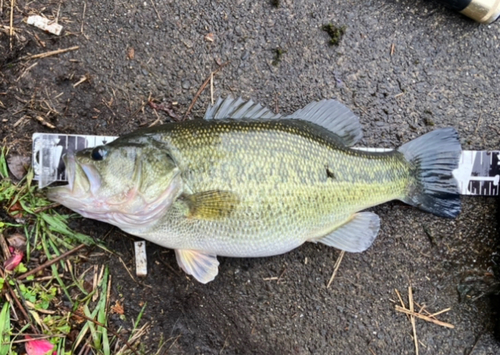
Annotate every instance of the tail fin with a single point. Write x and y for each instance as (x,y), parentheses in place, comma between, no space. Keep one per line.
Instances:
(434,156)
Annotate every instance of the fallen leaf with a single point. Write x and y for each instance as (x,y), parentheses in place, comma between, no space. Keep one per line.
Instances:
(16,210)
(14,260)
(76,317)
(17,241)
(117,308)
(18,165)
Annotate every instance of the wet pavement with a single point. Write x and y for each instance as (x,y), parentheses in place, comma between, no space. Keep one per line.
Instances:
(404,67)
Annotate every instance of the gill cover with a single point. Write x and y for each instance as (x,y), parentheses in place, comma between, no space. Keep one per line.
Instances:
(126,183)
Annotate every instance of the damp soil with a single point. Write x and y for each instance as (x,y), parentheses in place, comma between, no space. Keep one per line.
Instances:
(404,67)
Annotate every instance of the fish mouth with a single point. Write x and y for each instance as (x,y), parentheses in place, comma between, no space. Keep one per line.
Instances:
(70,163)
(83,181)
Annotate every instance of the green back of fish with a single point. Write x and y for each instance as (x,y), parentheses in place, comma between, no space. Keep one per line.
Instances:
(272,180)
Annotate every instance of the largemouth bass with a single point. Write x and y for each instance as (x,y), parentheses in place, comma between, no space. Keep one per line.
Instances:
(244,182)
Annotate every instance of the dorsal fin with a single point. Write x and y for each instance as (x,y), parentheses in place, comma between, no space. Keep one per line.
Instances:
(329,114)
(333,116)
(237,108)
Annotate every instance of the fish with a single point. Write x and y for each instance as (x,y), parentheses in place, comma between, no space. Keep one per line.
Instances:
(246,182)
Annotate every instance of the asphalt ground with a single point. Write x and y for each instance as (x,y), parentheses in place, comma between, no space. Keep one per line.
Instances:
(405,67)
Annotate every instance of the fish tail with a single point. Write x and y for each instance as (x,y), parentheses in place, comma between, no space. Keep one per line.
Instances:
(433,158)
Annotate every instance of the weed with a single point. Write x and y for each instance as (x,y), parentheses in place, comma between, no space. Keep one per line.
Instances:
(278,55)
(335,33)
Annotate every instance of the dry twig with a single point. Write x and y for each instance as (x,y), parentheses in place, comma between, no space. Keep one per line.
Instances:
(83,16)
(412,315)
(50,262)
(18,303)
(203,86)
(154,7)
(26,70)
(166,107)
(82,79)
(45,123)
(212,88)
(424,317)
(50,53)
(11,30)
(336,268)
(4,247)
(412,318)
(126,268)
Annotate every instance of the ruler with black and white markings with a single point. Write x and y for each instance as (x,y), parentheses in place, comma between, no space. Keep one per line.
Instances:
(478,172)
(49,149)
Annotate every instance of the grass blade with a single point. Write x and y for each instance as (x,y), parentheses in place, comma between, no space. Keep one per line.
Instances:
(102,313)
(57,223)
(5,329)
(4,172)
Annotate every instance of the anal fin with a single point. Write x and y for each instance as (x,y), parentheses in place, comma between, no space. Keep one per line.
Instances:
(203,267)
(356,235)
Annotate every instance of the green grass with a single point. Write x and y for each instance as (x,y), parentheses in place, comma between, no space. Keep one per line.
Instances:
(5,329)
(25,210)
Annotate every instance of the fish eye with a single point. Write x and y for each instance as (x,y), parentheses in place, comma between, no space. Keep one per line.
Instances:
(98,153)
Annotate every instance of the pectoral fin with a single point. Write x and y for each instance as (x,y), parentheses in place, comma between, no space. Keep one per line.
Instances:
(203,267)
(211,205)
(356,235)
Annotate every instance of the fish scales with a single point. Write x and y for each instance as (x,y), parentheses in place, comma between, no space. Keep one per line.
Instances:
(278,169)
(245,182)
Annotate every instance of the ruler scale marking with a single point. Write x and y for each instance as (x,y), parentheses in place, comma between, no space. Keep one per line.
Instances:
(475,174)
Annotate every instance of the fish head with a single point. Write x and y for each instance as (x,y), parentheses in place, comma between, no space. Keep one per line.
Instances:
(127,184)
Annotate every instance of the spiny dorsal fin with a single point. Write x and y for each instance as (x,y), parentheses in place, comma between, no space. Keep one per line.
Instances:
(237,108)
(329,114)
(211,205)
(333,116)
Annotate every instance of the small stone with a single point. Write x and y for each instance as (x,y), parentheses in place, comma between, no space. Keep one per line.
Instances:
(130,53)
(186,84)
(188,43)
(209,37)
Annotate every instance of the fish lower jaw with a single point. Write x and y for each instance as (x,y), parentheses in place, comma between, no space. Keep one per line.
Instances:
(132,221)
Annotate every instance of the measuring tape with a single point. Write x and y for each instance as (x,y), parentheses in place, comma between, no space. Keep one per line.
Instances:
(478,172)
